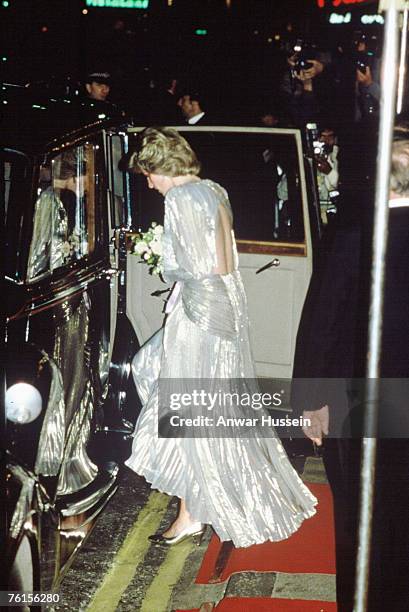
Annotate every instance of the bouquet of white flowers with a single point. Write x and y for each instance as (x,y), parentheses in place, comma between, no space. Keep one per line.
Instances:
(148,245)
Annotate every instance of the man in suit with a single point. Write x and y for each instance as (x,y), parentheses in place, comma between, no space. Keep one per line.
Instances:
(192,105)
(331,352)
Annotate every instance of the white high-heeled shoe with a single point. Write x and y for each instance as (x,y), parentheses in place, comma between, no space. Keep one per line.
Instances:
(194,531)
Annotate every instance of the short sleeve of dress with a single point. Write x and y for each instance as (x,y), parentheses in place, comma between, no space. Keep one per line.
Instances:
(189,231)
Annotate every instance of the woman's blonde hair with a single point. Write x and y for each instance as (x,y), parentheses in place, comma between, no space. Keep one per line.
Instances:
(162,150)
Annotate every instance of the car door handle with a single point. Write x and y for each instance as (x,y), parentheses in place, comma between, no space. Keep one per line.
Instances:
(274,263)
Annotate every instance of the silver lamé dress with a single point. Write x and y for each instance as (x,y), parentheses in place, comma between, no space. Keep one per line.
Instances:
(245,488)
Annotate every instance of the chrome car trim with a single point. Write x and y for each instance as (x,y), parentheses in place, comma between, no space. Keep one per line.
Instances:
(13,280)
(225,128)
(43,301)
(78,533)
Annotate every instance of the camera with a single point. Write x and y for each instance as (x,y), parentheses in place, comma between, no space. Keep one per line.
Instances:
(333,205)
(302,54)
(365,50)
(318,147)
(364,59)
(302,63)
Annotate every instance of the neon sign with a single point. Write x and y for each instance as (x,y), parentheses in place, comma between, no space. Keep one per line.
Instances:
(369,19)
(336,18)
(340,3)
(126,4)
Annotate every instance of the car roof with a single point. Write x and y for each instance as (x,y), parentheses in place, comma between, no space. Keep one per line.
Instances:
(34,122)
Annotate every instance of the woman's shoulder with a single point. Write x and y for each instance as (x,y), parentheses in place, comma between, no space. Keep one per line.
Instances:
(198,190)
(178,191)
(201,198)
(216,189)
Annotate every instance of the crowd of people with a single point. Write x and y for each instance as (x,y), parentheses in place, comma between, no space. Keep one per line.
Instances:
(337,91)
(308,84)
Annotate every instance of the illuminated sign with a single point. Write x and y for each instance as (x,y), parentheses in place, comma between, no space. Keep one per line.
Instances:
(337,18)
(369,19)
(125,4)
(340,3)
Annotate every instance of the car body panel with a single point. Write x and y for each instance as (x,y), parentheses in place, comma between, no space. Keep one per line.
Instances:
(64,312)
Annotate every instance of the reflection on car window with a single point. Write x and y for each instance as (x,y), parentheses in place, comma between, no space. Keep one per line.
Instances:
(254,168)
(119,209)
(261,175)
(64,217)
(14,189)
(7,184)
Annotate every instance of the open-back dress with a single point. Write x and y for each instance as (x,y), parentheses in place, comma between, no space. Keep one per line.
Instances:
(245,488)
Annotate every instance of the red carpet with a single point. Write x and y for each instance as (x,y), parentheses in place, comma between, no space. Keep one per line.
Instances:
(235,604)
(311,550)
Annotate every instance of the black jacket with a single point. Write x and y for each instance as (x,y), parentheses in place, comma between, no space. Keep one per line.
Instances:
(332,338)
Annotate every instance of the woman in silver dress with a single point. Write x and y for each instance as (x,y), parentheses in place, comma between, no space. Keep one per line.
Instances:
(244,487)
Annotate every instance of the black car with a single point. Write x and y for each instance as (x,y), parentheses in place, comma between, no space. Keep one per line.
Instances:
(69,343)
(79,306)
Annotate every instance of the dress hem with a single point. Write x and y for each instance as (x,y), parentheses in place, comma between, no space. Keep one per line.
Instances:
(298,520)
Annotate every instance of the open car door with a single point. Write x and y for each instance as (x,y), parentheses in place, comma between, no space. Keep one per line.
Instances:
(262,170)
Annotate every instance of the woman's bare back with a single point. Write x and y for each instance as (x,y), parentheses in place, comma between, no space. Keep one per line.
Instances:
(224,242)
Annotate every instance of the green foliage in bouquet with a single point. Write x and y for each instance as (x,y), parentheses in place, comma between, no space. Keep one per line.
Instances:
(148,246)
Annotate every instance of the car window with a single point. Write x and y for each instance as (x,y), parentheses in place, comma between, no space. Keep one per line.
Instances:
(119,216)
(7,184)
(14,191)
(261,173)
(64,226)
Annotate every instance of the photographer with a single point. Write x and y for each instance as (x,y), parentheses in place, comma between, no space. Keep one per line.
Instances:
(367,80)
(326,157)
(307,88)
